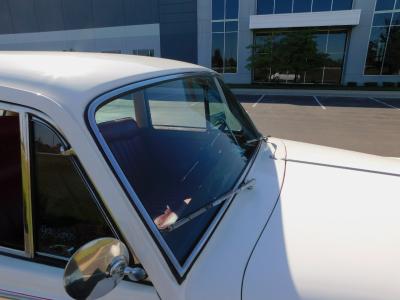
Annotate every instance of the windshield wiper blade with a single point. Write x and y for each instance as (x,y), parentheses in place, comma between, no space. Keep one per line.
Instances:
(245,185)
(262,138)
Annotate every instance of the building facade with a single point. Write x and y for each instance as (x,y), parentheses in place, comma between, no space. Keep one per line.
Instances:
(323,42)
(301,41)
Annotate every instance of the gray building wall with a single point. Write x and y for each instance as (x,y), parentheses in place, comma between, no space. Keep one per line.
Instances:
(178,28)
(176,36)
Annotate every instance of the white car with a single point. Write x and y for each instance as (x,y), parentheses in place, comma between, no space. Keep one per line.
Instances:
(130,177)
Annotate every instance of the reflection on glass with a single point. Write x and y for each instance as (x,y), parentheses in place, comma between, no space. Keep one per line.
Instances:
(322,5)
(342,4)
(376,50)
(298,56)
(231,26)
(391,64)
(302,6)
(217,61)
(232,8)
(218,9)
(230,52)
(265,7)
(384,5)
(382,19)
(192,152)
(218,26)
(283,6)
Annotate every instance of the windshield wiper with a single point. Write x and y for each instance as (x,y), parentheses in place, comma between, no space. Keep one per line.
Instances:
(245,185)
(262,138)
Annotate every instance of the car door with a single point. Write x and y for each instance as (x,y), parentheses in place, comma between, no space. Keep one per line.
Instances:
(48,209)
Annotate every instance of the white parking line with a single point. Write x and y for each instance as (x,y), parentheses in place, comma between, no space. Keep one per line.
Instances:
(384,103)
(258,101)
(320,104)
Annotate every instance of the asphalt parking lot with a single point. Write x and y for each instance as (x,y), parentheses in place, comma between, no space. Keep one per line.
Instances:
(364,124)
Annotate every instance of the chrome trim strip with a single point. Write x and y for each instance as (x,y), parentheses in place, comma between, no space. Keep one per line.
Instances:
(91,111)
(26,185)
(18,296)
(52,256)
(12,251)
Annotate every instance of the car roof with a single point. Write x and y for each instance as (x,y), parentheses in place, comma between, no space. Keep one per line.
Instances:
(72,79)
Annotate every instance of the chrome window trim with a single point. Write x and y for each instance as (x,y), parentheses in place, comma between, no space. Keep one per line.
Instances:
(26,185)
(91,112)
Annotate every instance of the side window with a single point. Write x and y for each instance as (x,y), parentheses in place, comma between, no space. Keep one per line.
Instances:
(65,212)
(177,104)
(11,216)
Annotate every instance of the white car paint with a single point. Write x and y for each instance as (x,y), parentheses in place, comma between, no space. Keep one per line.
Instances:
(333,234)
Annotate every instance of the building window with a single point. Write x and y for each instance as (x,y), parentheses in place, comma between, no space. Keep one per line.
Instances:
(265,7)
(383,56)
(225,25)
(143,52)
(299,56)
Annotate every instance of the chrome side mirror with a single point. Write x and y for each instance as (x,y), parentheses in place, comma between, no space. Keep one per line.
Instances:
(97,268)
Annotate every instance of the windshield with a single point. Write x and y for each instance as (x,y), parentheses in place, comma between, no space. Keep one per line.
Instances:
(181,144)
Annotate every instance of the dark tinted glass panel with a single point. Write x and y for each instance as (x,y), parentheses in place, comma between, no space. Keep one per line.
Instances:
(217,52)
(320,40)
(332,75)
(11,221)
(334,59)
(283,6)
(218,26)
(392,57)
(336,41)
(322,5)
(108,13)
(382,19)
(218,9)
(23,16)
(66,215)
(376,49)
(398,4)
(265,7)
(77,14)
(232,9)
(384,4)
(302,6)
(314,76)
(342,4)
(230,52)
(396,18)
(231,26)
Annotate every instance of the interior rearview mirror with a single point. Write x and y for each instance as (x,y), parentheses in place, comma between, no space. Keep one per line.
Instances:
(97,268)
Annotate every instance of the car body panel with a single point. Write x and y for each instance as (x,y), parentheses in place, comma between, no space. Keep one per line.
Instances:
(218,272)
(335,232)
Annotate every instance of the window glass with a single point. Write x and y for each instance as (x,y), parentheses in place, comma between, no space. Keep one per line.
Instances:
(342,4)
(218,26)
(376,50)
(265,7)
(230,52)
(322,5)
(66,216)
(336,42)
(283,6)
(391,64)
(172,107)
(398,4)
(384,4)
(231,26)
(382,19)
(302,6)
(217,61)
(119,109)
(232,9)
(11,217)
(218,9)
(396,19)
(196,154)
